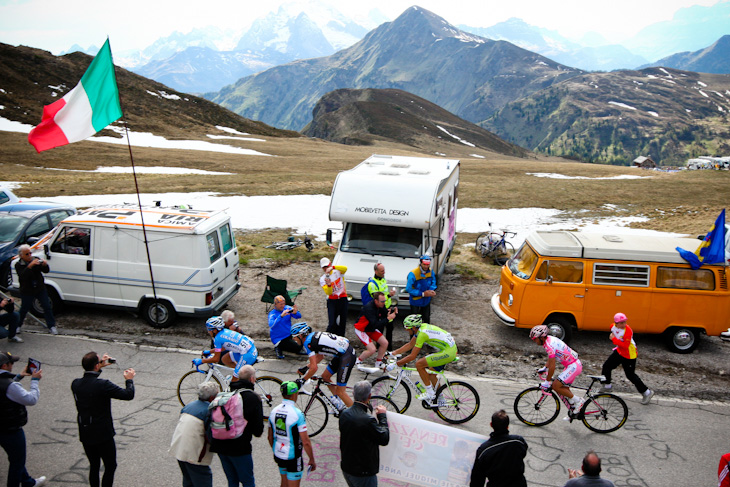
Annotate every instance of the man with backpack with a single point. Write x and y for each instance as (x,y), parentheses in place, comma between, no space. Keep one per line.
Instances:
(375,284)
(369,328)
(233,423)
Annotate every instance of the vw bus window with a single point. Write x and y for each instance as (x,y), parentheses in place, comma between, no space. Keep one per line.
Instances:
(226,238)
(214,247)
(523,263)
(560,271)
(682,278)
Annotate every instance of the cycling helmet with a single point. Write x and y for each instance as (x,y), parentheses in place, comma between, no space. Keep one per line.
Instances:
(619,317)
(300,328)
(539,331)
(215,323)
(412,321)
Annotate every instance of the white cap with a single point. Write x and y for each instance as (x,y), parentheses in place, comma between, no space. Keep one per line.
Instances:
(324,262)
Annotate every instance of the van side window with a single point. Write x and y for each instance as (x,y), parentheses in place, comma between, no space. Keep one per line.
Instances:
(72,240)
(621,275)
(561,271)
(226,239)
(214,247)
(681,278)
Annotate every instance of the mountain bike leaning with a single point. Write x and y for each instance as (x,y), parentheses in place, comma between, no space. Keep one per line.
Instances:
(601,412)
(494,245)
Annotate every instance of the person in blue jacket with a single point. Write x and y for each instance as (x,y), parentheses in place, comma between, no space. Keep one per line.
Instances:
(280,327)
(421,287)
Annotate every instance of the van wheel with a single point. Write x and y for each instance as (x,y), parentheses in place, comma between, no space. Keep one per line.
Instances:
(682,339)
(159,314)
(56,303)
(560,327)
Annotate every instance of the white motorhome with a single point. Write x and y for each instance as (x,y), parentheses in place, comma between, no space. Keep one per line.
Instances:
(98,257)
(393,210)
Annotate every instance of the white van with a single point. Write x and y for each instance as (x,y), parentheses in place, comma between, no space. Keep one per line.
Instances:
(98,257)
(393,210)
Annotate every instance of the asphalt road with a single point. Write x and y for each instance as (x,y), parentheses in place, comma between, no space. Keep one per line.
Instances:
(669,442)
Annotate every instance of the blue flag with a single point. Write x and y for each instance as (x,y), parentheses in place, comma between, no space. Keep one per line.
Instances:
(712,248)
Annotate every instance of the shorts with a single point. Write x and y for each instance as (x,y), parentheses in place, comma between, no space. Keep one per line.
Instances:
(570,373)
(441,358)
(368,336)
(341,365)
(293,469)
(248,358)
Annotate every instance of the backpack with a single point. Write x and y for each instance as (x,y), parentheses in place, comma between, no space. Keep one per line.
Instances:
(365,294)
(226,416)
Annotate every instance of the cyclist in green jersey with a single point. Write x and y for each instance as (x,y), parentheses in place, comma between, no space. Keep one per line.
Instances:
(425,334)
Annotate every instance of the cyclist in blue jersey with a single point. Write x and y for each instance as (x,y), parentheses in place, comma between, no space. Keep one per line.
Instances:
(320,344)
(242,349)
(288,437)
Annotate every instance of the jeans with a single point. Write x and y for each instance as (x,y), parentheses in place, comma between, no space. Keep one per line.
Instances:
(238,470)
(629,365)
(14,445)
(196,475)
(353,481)
(10,320)
(96,453)
(337,308)
(27,305)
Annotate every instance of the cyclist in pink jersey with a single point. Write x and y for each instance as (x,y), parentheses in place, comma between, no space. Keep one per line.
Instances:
(558,350)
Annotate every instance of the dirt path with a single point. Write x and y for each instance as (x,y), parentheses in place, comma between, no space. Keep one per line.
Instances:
(487,347)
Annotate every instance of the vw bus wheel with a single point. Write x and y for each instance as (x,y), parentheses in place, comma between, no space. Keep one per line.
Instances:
(159,314)
(682,339)
(560,327)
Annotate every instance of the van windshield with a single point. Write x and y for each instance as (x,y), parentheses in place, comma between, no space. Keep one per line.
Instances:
(523,263)
(382,240)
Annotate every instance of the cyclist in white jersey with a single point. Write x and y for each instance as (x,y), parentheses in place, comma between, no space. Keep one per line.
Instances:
(320,344)
(242,350)
(288,437)
(572,367)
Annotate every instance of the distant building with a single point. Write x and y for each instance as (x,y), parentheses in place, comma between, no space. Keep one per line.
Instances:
(709,162)
(644,162)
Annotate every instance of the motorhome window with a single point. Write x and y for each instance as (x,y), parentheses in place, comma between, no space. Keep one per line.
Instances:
(620,275)
(72,240)
(523,263)
(226,238)
(214,247)
(561,271)
(682,278)
(382,240)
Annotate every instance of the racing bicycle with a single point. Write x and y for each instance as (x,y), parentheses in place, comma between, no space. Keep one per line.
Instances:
(317,405)
(494,245)
(601,412)
(456,401)
(268,387)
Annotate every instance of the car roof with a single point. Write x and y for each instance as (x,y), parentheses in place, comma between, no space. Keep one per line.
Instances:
(33,208)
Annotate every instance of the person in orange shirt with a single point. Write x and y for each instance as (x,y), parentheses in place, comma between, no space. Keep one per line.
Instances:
(624,354)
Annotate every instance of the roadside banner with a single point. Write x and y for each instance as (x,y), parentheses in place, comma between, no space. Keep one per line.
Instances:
(427,453)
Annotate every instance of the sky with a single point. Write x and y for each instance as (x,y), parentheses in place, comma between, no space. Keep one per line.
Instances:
(135,24)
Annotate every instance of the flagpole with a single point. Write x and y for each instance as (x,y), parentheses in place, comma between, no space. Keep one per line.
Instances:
(139,200)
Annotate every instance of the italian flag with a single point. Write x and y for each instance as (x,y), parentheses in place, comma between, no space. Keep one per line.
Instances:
(88,108)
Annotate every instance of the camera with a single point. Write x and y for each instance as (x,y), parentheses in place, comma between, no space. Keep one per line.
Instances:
(9,306)
(111,360)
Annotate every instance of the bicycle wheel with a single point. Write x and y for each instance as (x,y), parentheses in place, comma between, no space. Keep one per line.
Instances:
(493,245)
(401,396)
(187,387)
(536,407)
(384,401)
(604,413)
(458,402)
(315,410)
(482,244)
(269,388)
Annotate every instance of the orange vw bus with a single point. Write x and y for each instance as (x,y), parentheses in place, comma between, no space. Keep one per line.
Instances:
(569,280)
